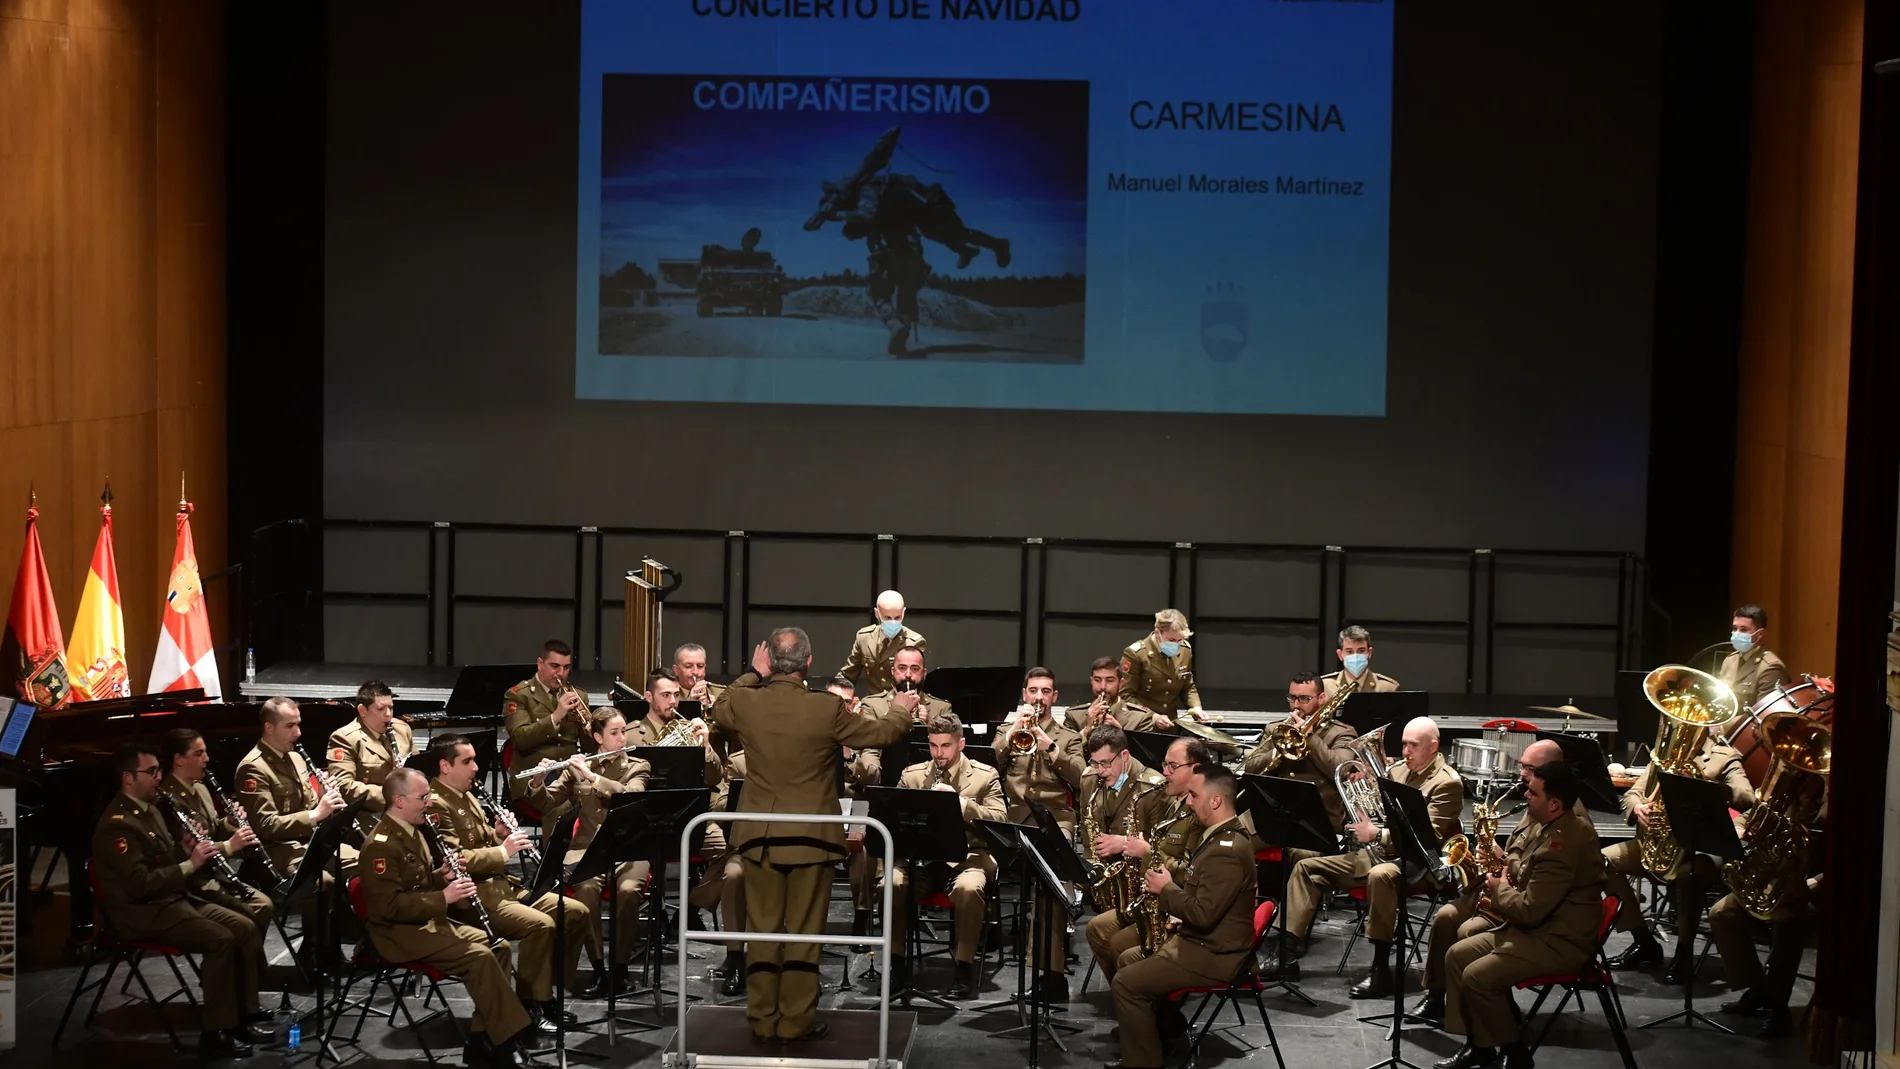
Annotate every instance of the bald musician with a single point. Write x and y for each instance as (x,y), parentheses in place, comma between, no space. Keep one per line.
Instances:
(875,646)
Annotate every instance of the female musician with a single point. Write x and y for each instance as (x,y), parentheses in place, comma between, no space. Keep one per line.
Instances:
(1158,671)
(592,783)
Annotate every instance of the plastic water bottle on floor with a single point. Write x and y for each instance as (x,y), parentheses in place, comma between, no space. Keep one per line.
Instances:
(294,1038)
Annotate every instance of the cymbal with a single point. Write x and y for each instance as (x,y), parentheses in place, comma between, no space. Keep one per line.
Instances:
(1567,710)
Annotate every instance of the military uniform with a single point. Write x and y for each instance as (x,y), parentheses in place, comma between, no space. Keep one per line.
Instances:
(1551,906)
(1215,903)
(1128,716)
(276,793)
(1175,834)
(877,706)
(1753,675)
(1157,682)
(360,760)
(527,710)
(793,734)
(618,775)
(1326,750)
(864,768)
(1371,683)
(148,892)
(1444,797)
(720,886)
(1789,925)
(1052,779)
(981,789)
(464,828)
(409,921)
(873,656)
(1460,919)
(195,799)
(1717,764)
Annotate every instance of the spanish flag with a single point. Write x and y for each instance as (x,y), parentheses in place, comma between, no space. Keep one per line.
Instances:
(185,658)
(34,650)
(97,652)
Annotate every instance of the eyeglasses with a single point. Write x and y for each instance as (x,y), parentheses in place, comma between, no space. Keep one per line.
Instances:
(1302,698)
(1104,764)
(1170,766)
(152,772)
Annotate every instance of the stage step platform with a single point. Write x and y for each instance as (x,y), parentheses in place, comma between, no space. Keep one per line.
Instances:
(719,1036)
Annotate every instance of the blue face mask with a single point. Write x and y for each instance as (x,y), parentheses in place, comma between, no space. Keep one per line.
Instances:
(1119,780)
(890,627)
(1742,641)
(1170,649)
(1356,663)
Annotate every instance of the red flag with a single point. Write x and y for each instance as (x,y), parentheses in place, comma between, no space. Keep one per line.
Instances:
(35,648)
(185,658)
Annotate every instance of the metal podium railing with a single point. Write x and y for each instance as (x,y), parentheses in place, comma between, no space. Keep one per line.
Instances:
(678,1058)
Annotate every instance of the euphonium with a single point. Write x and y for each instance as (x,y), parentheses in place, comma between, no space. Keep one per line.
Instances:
(1801,752)
(1293,744)
(1692,704)
(1354,781)
(681,732)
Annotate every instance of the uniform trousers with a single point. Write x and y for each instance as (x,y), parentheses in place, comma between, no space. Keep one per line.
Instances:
(464,952)
(232,946)
(1625,859)
(781,981)
(1453,921)
(965,883)
(1109,938)
(630,878)
(1482,970)
(533,926)
(723,884)
(1733,929)
(1314,875)
(1141,981)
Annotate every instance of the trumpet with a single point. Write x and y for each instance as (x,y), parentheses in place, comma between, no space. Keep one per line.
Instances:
(557,766)
(237,814)
(457,871)
(1022,736)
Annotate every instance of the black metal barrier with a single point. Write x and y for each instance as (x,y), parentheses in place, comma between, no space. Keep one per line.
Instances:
(1331,563)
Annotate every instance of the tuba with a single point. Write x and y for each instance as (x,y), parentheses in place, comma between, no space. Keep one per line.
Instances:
(1693,704)
(1288,744)
(1354,780)
(1776,861)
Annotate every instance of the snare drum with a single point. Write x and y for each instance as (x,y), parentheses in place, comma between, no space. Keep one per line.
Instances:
(1476,758)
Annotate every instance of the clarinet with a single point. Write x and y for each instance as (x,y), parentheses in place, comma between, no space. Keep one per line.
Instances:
(458,871)
(322,774)
(507,819)
(220,865)
(236,813)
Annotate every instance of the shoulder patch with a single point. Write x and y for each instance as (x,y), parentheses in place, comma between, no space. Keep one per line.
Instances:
(1128,665)
(382,865)
(250,785)
(1555,844)
(339,753)
(512,706)
(121,844)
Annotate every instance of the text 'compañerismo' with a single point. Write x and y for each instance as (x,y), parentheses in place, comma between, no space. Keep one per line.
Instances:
(839,94)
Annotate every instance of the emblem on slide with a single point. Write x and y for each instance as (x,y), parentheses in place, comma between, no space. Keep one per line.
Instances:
(1224,322)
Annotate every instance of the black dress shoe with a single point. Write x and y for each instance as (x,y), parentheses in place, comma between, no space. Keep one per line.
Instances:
(550,1013)
(734,981)
(1170,1021)
(538,1022)
(1749,1005)
(1775,1023)
(478,1053)
(1518,1056)
(1644,953)
(1273,968)
(216,1045)
(818,1030)
(596,988)
(531,1039)
(1681,970)
(1430,1008)
(964,985)
(1377,984)
(1470,1057)
(258,1034)
(1054,987)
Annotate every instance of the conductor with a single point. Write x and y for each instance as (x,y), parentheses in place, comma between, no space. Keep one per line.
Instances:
(793,735)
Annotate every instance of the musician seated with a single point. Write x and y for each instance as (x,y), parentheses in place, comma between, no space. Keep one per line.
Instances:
(154,887)
(1689,879)
(1041,760)
(1106,705)
(1550,902)
(689,671)
(1371,860)
(545,717)
(1460,919)
(362,752)
(1765,994)
(1158,671)
(721,884)
(185,758)
(486,846)
(982,792)
(1355,658)
(1214,903)
(285,803)
(1166,826)
(1752,671)
(906,690)
(862,768)
(416,913)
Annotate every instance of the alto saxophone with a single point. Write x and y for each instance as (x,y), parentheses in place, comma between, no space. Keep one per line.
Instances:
(1146,908)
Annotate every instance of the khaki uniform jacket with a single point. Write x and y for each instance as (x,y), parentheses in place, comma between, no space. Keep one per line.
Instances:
(1135,809)
(734,769)
(1324,753)
(1716,763)
(618,775)
(878,705)
(1753,675)
(981,789)
(1129,717)
(1159,684)
(1176,834)
(1378,684)
(144,887)
(195,798)
(1556,888)
(864,768)
(462,824)
(1215,902)
(359,761)
(650,729)
(1444,792)
(274,789)
(794,733)
(402,891)
(872,655)
(1052,779)
(527,710)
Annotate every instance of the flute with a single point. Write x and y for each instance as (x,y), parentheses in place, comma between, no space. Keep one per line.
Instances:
(458,871)
(557,766)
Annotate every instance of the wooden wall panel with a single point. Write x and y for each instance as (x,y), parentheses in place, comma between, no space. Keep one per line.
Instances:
(112,290)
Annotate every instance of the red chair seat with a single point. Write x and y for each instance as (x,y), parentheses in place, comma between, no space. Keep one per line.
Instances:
(145,947)
(1594,976)
(429,971)
(1271,853)
(1357,894)
(935,900)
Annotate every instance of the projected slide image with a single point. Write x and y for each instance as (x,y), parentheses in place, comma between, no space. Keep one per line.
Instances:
(949,224)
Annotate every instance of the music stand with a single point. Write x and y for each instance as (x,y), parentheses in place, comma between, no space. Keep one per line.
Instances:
(325,849)
(617,841)
(925,825)
(1366,710)
(1040,860)
(660,814)
(1151,747)
(1006,838)
(1288,814)
(1699,820)
(1408,824)
(548,878)
(974,693)
(1586,756)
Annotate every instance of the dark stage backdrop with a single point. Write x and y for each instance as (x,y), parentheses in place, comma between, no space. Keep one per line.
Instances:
(1523,220)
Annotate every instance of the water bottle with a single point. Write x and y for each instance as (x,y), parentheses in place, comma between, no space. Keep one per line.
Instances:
(250,665)
(294,1038)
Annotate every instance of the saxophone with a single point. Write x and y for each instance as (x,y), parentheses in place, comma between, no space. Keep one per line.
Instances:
(1287,744)
(1775,864)
(1146,908)
(1472,864)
